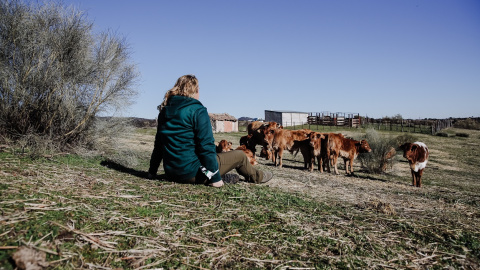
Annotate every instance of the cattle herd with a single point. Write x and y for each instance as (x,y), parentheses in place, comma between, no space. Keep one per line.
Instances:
(315,147)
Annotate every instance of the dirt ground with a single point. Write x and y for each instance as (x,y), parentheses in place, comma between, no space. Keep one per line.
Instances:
(392,189)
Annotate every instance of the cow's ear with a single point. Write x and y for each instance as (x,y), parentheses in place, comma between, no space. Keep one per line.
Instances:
(319,136)
(230,143)
(414,147)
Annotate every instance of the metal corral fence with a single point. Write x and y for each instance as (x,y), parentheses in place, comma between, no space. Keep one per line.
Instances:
(334,119)
(330,121)
(427,126)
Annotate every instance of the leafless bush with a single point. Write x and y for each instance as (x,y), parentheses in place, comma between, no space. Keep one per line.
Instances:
(56,76)
(108,132)
(468,123)
(405,138)
(382,155)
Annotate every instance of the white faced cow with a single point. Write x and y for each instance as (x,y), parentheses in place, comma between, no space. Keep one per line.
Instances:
(417,155)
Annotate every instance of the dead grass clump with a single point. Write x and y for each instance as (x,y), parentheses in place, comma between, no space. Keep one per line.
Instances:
(29,258)
(378,206)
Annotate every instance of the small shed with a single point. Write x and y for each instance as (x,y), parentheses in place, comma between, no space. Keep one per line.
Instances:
(286,118)
(223,122)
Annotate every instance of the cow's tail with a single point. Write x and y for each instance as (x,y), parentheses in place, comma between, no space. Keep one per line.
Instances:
(296,152)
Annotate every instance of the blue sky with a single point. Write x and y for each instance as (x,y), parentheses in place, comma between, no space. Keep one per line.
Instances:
(417,58)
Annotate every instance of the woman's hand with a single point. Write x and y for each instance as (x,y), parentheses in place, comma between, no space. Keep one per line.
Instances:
(217,184)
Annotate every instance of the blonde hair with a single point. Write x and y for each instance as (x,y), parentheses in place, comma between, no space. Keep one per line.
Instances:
(187,86)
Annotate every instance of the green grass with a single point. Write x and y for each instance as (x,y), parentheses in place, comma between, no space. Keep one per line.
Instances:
(85,213)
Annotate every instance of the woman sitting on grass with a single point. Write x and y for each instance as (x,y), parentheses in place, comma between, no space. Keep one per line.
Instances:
(185,142)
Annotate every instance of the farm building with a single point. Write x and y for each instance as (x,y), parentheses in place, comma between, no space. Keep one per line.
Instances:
(223,122)
(286,118)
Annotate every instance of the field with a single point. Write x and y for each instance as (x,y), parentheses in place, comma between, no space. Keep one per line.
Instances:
(99,212)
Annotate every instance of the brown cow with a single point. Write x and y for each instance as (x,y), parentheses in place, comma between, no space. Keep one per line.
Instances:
(417,155)
(306,149)
(280,139)
(250,155)
(346,148)
(256,136)
(319,143)
(224,146)
(249,142)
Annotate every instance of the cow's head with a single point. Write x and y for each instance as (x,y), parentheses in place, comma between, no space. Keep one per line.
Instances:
(224,146)
(409,150)
(268,135)
(363,146)
(248,141)
(265,153)
(315,139)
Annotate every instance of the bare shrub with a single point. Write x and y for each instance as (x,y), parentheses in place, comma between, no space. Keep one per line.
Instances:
(468,123)
(56,75)
(405,138)
(107,133)
(382,155)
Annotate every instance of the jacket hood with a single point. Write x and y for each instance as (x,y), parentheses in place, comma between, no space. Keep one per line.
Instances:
(176,103)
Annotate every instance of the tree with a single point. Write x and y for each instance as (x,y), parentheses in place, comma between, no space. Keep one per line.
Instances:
(56,75)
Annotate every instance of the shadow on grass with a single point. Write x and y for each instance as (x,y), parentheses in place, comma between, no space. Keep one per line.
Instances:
(367,176)
(120,168)
(301,168)
(228,179)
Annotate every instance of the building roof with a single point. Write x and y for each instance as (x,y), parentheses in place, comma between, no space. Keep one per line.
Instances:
(286,111)
(222,117)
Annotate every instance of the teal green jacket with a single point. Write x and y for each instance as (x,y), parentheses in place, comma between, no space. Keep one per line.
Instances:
(186,138)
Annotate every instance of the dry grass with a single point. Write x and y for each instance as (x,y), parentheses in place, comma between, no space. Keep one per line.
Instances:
(85,215)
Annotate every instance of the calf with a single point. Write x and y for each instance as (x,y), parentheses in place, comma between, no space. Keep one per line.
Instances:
(249,142)
(417,155)
(280,139)
(348,149)
(306,150)
(256,136)
(319,144)
(249,154)
(224,146)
